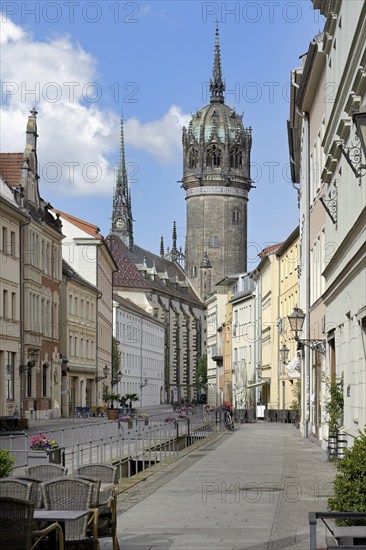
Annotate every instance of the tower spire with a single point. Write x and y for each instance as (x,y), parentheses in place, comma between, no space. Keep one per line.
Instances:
(174,247)
(122,211)
(217,85)
(162,247)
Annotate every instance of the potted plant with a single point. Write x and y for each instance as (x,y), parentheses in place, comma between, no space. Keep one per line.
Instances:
(334,414)
(350,493)
(130,398)
(144,417)
(6,462)
(109,398)
(127,418)
(45,449)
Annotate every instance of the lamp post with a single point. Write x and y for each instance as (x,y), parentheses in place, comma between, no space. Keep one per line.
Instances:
(296,320)
(353,154)
(284,351)
(105,373)
(117,378)
(32,360)
(142,385)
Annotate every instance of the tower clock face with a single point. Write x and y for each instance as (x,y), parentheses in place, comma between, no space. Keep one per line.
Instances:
(120,223)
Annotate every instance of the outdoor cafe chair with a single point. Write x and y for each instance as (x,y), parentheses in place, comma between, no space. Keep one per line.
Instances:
(36,494)
(15,488)
(69,493)
(16,526)
(44,472)
(107,506)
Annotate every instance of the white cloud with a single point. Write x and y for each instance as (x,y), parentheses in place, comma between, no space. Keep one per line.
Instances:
(161,138)
(77,136)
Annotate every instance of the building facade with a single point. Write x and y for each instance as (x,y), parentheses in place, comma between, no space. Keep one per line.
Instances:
(40,239)
(141,340)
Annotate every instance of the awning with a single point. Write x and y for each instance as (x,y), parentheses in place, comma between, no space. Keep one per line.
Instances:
(293,368)
(268,381)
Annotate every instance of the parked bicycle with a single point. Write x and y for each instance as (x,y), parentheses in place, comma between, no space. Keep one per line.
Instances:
(228,421)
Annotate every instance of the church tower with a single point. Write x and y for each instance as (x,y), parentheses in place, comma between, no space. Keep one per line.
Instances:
(216,178)
(122,222)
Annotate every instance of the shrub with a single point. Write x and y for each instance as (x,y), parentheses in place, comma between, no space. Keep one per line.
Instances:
(350,482)
(6,462)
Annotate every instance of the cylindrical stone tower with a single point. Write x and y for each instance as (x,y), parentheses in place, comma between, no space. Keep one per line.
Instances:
(216,178)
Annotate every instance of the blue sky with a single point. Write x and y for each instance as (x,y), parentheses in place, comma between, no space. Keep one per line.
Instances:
(80,63)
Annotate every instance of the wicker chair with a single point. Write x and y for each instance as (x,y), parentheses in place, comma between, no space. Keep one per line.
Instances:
(44,472)
(16,526)
(36,495)
(69,493)
(15,488)
(107,507)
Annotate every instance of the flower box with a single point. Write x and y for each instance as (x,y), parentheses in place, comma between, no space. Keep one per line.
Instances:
(52,456)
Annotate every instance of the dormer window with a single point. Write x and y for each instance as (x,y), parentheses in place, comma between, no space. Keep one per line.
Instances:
(213,156)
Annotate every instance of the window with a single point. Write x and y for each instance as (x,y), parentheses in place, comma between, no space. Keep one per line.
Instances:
(44,381)
(10,376)
(13,306)
(213,156)
(5,240)
(193,271)
(5,304)
(236,217)
(236,157)
(12,243)
(193,157)
(213,242)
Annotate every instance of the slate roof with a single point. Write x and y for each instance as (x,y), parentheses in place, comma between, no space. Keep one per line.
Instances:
(10,167)
(132,263)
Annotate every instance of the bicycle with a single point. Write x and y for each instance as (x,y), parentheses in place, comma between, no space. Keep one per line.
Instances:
(228,421)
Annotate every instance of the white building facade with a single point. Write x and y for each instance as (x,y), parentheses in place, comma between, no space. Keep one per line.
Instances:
(141,339)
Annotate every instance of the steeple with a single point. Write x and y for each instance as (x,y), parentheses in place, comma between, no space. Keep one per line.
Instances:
(174,247)
(122,212)
(162,247)
(217,85)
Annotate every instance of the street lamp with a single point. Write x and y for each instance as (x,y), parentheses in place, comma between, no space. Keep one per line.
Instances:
(284,351)
(144,383)
(296,320)
(105,372)
(353,154)
(117,378)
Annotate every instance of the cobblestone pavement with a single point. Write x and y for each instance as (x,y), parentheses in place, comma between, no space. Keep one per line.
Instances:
(247,490)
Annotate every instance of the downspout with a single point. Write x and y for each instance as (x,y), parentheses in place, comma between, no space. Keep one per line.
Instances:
(306,406)
(278,336)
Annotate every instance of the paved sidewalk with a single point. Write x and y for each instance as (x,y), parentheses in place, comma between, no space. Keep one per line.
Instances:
(251,489)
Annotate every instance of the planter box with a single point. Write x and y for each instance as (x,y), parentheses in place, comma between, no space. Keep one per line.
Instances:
(44,457)
(349,535)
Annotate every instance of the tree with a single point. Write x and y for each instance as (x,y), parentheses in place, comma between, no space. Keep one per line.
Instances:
(201,370)
(116,359)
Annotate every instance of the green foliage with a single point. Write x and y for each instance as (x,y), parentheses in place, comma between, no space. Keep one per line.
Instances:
(110,397)
(132,397)
(202,370)
(6,463)
(116,359)
(334,407)
(350,482)
(296,404)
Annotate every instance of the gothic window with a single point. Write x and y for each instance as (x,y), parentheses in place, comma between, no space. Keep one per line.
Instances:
(236,157)
(213,156)
(193,271)
(236,217)
(193,157)
(213,242)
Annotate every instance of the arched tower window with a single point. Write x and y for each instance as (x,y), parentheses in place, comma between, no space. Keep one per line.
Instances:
(213,156)
(236,217)
(236,157)
(193,157)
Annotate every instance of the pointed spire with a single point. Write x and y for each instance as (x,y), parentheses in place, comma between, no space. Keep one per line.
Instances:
(122,180)
(162,246)
(174,247)
(217,85)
